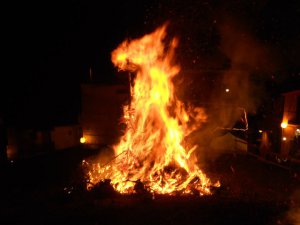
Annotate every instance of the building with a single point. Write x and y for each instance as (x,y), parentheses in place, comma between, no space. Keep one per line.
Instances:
(101,112)
(66,136)
(290,126)
(27,142)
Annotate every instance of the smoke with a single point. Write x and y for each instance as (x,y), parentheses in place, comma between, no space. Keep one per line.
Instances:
(250,64)
(240,87)
(104,156)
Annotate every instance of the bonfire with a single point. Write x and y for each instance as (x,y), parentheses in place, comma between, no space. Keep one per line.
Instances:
(153,152)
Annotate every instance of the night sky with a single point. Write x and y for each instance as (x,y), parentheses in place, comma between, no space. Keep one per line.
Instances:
(51,45)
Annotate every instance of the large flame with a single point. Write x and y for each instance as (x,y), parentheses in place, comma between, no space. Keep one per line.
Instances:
(151,151)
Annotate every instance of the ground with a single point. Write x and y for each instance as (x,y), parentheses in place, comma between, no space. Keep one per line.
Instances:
(48,189)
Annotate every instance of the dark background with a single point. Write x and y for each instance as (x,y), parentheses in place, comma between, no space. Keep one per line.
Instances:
(51,46)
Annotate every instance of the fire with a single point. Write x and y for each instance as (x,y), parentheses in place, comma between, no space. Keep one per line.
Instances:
(152,150)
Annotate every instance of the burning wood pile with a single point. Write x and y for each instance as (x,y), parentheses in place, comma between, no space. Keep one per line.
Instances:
(152,155)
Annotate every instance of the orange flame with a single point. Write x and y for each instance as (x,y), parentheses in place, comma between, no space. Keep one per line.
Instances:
(151,150)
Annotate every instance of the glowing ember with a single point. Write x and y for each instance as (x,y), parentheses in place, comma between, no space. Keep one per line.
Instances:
(151,151)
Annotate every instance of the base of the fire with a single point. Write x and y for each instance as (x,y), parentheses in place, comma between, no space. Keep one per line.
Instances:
(107,188)
(104,188)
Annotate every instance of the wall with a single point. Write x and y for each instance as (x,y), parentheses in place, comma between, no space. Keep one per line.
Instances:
(101,113)
(288,136)
(66,136)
